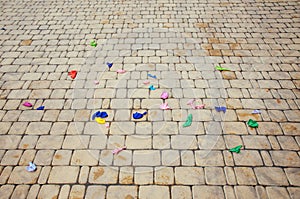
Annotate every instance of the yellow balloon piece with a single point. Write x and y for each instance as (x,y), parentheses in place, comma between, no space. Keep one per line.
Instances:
(100,120)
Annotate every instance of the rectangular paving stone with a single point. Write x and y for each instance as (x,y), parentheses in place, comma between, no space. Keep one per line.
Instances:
(285,158)
(159,192)
(146,158)
(189,175)
(207,192)
(19,176)
(103,175)
(270,176)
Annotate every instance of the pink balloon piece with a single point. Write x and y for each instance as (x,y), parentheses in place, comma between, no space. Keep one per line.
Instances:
(164,95)
(165,106)
(27,104)
(146,82)
(121,71)
(107,125)
(191,102)
(201,106)
(118,150)
(96,82)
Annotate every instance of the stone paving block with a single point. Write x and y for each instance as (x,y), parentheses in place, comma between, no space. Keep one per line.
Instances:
(209,158)
(6,191)
(207,192)
(189,175)
(293,175)
(95,191)
(143,175)
(146,158)
(154,191)
(103,175)
(77,191)
(62,157)
(256,142)
(11,157)
(19,176)
(178,192)
(49,191)
(31,116)
(245,176)
(85,157)
(20,192)
(290,128)
(287,143)
(76,142)
(214,176)
(49,142)
(170,157)
(9,141)
(183,142)
(122,192)
(38,128)
(27,156)
(293,191)
(270,176)
(244,192)
(278,192)
(5,174)
(126,175)
(43,157)
(138,142)
(248,158)
(285,158)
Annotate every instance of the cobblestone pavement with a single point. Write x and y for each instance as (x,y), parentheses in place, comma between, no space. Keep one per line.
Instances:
(180,42)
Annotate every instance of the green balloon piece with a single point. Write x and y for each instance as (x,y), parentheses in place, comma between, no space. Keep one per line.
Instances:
(188,121)
(236,149)
(252,123)
(221,68)
(93,43)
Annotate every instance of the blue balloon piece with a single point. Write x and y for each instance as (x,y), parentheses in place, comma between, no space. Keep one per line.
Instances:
(109,64)
(103,114)
(220,108)
(40,108)
(153,76)
(99,114)
(152,88)
(137,115)
(31,167)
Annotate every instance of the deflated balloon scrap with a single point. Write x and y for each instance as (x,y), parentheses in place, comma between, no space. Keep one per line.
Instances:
(109,64)
(252,123)
(121,71)
(219,68)
(93,43)
(137,115)
(41,108)
(99,114)
(152,88)
(72,74)
(118,150)
(164,95)
(256,112)
(100,120)
(188,121)
(31,167)
(146,82)
(220,108)
(153,76)
(236,149)
(192,104)
(165,106)
(3,28)
(96,82)
(27,104)
(107,125)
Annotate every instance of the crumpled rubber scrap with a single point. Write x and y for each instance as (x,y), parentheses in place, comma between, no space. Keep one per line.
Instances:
(41,108)
(152,88)
(93,43)
(220,108)
(164,95)
(165,106)
(109,64)
(3,28)
(146,82)
(99,114)
(118,150)
(100,120)
(72,74)
(188,121)
(219,68)
(107,125)
(27,104)
(96,82)
(191,102)
(137,115)
(153,76)
(121,71)
(252,123)
(236,149)
(31,167)
(256,112)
